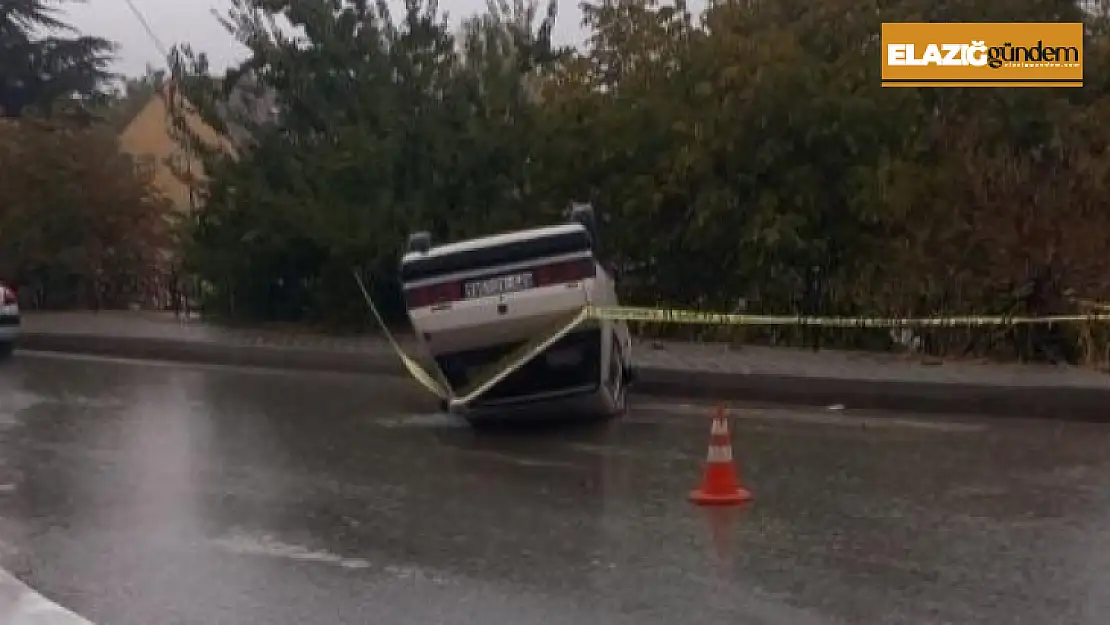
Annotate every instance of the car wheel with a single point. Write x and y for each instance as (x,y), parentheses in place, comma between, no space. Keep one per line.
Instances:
(6,349)
(620,384)
(630,372)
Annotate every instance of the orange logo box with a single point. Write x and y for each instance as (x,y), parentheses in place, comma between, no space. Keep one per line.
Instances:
(982,55)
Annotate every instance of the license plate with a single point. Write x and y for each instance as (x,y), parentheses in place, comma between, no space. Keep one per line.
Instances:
(499,285)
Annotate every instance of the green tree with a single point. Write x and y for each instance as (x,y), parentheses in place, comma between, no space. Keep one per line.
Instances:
(746,151)
(42,72)
(78,225)
(386,126)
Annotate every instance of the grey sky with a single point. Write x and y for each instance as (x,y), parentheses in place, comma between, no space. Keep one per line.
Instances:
(177,21)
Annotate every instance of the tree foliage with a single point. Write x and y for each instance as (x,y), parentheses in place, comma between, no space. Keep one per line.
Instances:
(386,123)
(746,151)
(78,226)
(44,64)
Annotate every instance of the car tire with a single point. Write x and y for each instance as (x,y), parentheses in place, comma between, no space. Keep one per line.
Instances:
(630,371)
(620,391)
(6,349)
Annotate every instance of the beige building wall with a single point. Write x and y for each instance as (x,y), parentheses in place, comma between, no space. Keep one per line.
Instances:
(149,138)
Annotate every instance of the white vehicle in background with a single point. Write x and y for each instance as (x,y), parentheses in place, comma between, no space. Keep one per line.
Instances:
(474,302)
(9,320)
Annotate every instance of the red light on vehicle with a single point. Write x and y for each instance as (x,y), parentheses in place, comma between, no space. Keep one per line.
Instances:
(8,296)
(562,273)
(433,295)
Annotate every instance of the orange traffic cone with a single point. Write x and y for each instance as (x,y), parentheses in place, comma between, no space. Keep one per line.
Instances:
(720,485)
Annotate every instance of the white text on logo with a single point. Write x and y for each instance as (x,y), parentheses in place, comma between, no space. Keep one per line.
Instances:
(944,54)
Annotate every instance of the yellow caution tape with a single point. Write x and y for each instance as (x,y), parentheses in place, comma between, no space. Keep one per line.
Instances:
(511,363)
(517,359)
(694,317)
(418,373)
(490,378)
(1089,303)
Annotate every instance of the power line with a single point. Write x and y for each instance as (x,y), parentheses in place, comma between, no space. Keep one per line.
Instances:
(149,31)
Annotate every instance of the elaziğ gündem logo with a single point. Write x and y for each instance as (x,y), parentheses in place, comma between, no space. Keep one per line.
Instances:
(969,54)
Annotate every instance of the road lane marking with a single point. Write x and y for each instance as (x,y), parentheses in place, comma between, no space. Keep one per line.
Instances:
(502,456)
(433,420)
(267,546)
(273,370)
(21,605)
(816,417)
(625,452)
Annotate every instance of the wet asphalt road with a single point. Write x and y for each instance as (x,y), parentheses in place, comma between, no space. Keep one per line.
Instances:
(143,494)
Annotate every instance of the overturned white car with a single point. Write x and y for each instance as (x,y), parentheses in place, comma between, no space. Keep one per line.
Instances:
(474,304)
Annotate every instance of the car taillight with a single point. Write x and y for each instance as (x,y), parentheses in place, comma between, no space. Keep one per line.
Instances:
(8,296)
(570,271)
(432,295)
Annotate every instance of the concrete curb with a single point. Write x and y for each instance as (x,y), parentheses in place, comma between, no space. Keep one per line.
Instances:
(211,353)
(1041,402)
(22,605)
(1046,402)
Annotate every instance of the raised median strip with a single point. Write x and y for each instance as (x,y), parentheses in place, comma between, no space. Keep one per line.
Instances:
(21,605)
(1042,402)
(1049,401)
(214,353)
(760,374)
